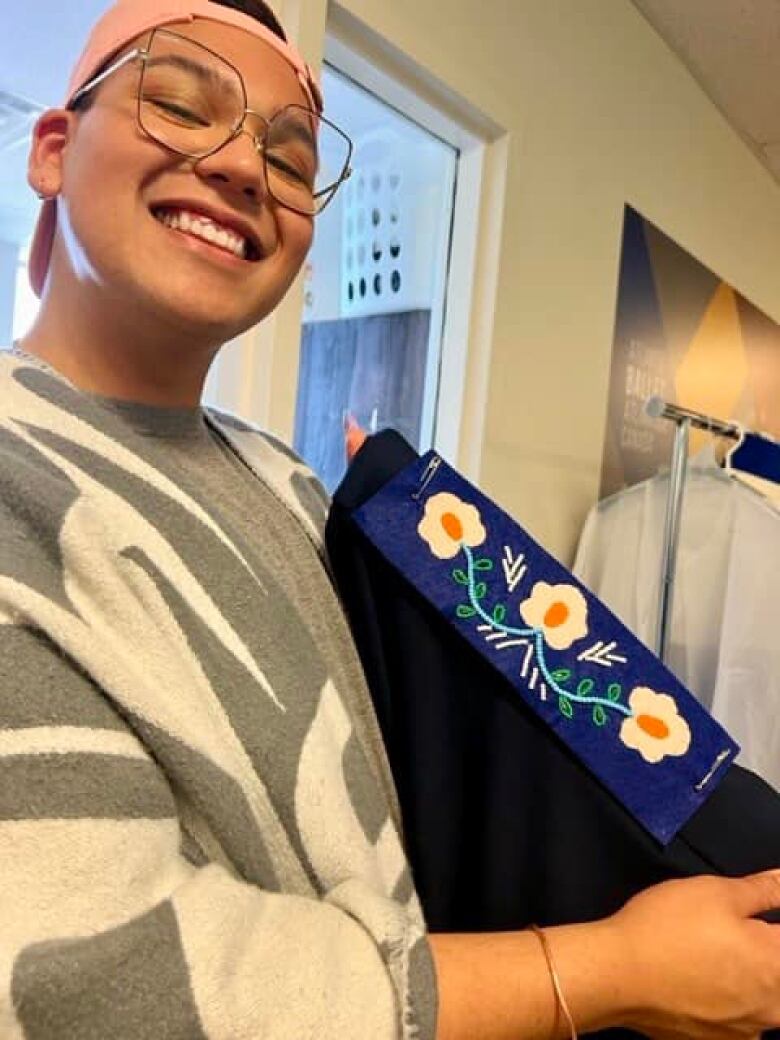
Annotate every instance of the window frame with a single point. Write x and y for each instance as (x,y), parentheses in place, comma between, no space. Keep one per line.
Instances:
(257,376)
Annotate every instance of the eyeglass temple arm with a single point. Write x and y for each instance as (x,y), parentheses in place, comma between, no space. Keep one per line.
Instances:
(342,180)
(139,52)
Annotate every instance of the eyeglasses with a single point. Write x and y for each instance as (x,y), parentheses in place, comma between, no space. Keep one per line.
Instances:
(194,102)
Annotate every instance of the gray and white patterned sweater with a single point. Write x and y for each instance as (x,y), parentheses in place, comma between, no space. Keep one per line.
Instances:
(198,834)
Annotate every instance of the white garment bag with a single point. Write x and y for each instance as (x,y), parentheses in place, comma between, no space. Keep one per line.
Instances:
(725,628)
(746,699)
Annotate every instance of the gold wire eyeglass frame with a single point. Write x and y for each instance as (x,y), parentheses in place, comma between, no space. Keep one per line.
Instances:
(320,199)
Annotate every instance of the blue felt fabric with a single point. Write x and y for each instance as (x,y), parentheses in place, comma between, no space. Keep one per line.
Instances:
(611,701)
(758,455)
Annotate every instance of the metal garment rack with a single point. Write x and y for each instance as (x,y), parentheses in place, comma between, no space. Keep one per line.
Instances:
(684,419)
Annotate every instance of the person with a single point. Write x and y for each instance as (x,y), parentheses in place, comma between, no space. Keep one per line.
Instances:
(199,836)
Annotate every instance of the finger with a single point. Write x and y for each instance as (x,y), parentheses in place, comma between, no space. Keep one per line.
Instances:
(757,892)
(354,436)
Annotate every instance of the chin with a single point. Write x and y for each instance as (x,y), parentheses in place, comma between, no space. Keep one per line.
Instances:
(206,315)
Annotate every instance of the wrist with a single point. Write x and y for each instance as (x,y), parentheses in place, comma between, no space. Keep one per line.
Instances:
(561,1004)
(599,975)
(633,974)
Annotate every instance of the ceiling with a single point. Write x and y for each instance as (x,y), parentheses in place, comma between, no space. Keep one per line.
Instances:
(732,47)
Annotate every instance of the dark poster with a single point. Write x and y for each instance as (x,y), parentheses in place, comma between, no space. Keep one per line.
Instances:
(681,333)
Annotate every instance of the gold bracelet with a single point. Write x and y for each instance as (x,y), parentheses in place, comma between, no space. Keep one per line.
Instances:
(560,1000)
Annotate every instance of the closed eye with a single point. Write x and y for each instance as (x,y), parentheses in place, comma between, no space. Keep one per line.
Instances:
(286,168)
(184,114)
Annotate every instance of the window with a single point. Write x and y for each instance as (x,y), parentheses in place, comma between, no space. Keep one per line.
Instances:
(26,303)
(375,283)
(18,212)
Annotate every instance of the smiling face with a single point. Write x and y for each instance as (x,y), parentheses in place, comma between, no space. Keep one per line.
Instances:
(200,245)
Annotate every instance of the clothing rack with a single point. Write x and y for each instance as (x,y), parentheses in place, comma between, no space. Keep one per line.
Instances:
(684,419)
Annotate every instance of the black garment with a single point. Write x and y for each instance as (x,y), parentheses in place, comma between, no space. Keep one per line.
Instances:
(503,825)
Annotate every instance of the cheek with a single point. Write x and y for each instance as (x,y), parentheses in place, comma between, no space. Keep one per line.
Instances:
(296,233)
(111,159)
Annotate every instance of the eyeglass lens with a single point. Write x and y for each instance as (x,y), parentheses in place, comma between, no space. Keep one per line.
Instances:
(193,101)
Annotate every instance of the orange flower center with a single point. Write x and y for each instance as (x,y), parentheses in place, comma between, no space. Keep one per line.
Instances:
(556,615)
(653,727)
(452,526)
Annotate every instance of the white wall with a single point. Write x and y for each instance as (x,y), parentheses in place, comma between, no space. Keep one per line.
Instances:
(599,112)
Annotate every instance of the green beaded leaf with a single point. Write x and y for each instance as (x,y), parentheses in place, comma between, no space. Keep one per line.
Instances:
(599,715)
(499,613)
(465,611)
(484,564)
(561,674)
(460,576)
(566,707)
(481,590)
(614,691)
(585,687)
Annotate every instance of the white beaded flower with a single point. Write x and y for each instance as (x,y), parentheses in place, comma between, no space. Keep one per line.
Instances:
(656,729)
(448,524)
(560,612)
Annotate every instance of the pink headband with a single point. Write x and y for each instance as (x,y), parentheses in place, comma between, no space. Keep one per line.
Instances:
(123,22)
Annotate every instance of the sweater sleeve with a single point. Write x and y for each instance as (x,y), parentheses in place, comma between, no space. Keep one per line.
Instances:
(119,916)
(115,924)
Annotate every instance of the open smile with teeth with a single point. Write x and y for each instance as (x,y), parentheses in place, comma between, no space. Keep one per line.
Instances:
(200,226)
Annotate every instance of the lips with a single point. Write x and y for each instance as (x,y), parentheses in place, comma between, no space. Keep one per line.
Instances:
(223,233)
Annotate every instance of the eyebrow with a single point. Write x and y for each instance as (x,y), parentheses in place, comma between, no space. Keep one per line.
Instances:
(301,133)
(212,76)
(207,75)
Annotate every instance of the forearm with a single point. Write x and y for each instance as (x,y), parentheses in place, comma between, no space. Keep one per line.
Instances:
(498,986)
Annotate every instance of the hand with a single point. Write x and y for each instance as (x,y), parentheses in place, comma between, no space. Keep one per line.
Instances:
(702,967)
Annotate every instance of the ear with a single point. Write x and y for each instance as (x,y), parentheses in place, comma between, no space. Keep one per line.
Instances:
(51,135)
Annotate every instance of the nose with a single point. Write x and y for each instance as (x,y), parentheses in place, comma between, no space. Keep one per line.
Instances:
(238,166)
